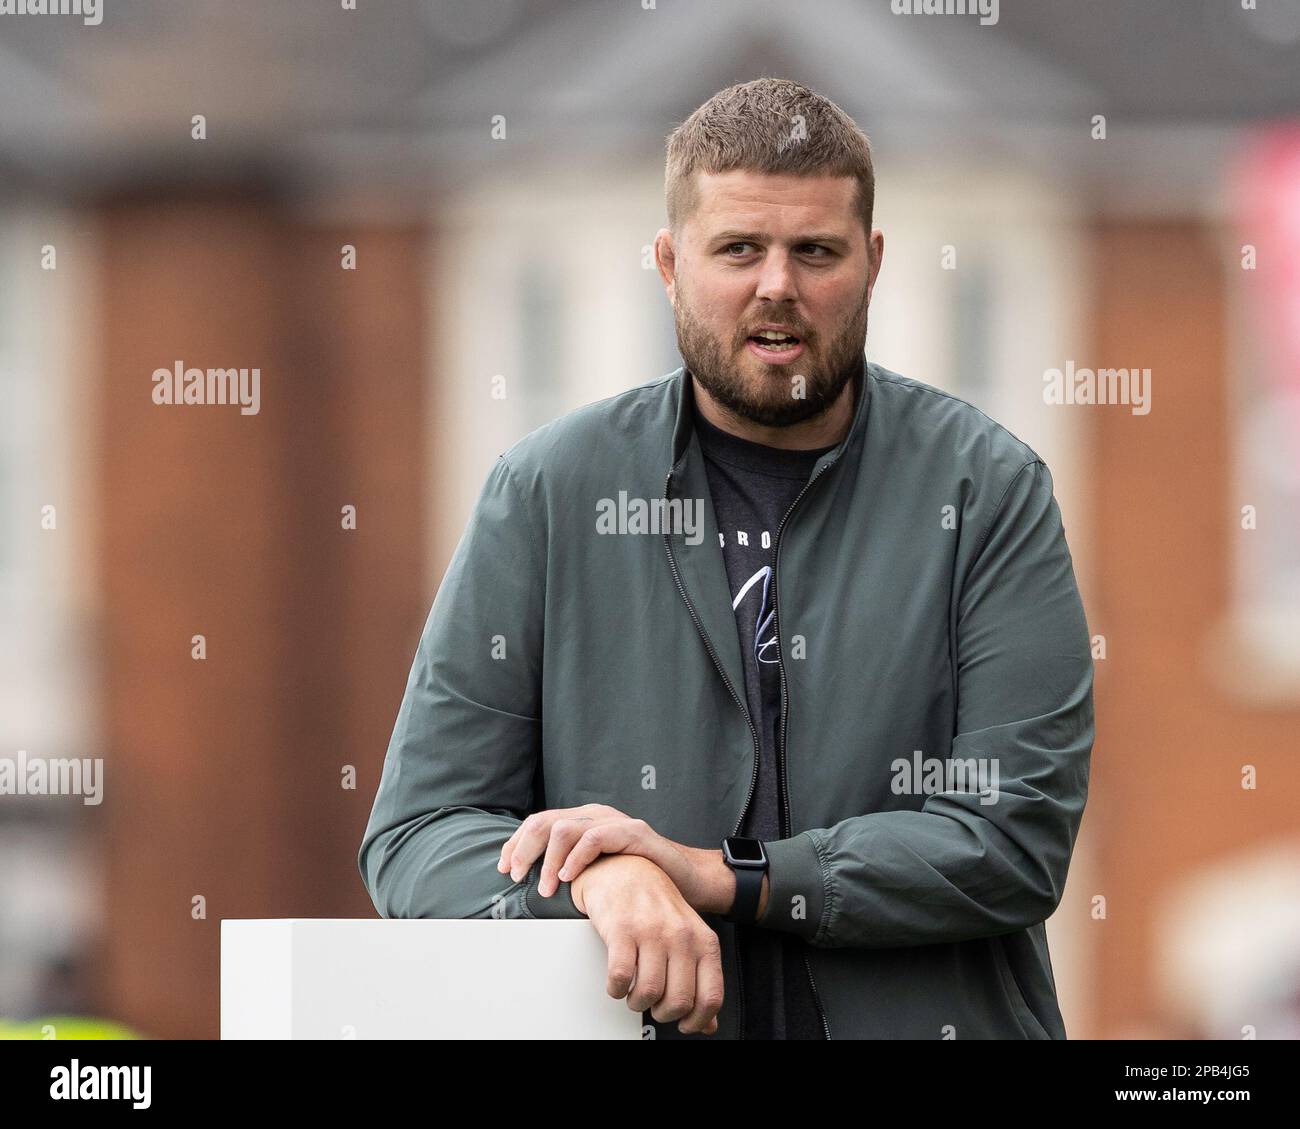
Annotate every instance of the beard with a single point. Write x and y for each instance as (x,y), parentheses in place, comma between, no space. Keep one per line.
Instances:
(765,394)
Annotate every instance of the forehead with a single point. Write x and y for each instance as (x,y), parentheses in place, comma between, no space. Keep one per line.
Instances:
(775,200)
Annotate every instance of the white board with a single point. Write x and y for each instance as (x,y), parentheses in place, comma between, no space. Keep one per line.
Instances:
(336,978)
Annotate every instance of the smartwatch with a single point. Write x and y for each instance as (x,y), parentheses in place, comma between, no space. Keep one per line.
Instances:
(748,861)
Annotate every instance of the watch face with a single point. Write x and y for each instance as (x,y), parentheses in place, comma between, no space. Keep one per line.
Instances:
(745,850)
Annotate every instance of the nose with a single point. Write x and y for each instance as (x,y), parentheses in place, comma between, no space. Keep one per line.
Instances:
(776,278)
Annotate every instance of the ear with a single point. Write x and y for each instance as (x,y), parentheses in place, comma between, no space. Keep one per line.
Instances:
(875,256)
(666,260)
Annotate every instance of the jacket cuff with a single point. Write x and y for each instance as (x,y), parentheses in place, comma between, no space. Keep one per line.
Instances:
(558,905)
(796,887)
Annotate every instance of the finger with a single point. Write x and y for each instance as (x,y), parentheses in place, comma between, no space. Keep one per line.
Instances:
(651,976)
(507,852)
(678,999)
(703,1018)
(603,839)
(601,811)
(532,837)
(564,834)
(621,967)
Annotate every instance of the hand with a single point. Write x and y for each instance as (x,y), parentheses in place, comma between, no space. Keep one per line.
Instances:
(662,955)
(572,838)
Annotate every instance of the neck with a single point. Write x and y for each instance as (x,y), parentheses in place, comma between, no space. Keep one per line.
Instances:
(824,430)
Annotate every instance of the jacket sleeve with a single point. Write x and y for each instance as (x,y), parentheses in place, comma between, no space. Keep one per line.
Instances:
(461,765)
(960,868)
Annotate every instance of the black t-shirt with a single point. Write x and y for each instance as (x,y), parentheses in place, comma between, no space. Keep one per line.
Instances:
(752,487)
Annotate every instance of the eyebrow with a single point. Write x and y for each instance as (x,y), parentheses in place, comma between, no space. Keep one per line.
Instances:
(766,237)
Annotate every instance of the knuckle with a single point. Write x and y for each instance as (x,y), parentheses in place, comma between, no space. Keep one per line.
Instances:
(710,1002)
(645,994)
(674,1007)
(707,943)
(681,934)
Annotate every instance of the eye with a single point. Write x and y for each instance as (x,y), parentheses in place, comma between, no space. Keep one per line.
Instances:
(730,246)
(826,251)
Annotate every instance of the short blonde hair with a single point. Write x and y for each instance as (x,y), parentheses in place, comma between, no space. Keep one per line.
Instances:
(769,125)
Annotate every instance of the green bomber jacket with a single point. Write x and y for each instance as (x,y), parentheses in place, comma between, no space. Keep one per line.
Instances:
(938,721)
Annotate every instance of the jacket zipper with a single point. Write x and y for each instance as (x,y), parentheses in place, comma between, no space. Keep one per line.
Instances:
(753,777)
(785,794)
(780,666)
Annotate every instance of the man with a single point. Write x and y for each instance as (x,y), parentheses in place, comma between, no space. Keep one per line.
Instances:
(780,597)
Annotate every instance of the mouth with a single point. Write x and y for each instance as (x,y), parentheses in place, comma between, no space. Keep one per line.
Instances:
(775,346)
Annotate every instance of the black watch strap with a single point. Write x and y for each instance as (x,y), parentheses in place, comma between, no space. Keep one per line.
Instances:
(749,889)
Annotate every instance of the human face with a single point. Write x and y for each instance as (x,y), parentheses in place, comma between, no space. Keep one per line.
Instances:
(772,250)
